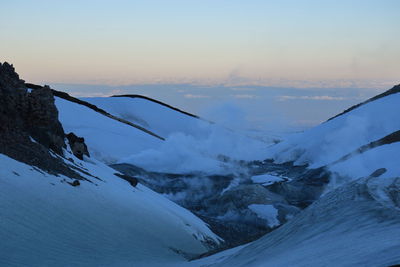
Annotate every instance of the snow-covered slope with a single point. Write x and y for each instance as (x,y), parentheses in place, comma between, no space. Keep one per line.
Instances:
(385,156)
(151,115)
(344,134)
(357,224)
(44,221)
(108,140)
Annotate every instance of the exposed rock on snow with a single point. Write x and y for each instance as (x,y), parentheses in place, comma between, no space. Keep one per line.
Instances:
(77,145)
(42,119)
(131,180)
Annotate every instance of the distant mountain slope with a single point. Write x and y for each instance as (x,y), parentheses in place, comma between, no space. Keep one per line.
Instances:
(109,140)
(344,134)
(160,103)
(156,116)
(394,90)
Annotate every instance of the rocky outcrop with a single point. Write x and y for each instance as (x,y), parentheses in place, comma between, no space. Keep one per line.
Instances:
(29,128)
(131,180)
(78,146)
(42,119)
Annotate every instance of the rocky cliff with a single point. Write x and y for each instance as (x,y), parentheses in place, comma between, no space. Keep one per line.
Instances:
(29,128)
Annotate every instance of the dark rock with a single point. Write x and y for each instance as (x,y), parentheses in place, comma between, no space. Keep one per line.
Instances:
(42,119)
(75,183)
(78,146)
(29,125)
(131,180)
(378,172)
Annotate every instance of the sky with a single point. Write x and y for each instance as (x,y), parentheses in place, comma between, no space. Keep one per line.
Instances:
(286,62)
(348,43)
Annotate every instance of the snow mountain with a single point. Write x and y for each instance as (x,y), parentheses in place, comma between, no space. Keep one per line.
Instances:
(354,143)
(129,180)
(59,210)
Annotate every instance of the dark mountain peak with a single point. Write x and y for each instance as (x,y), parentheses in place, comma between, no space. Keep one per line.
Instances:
(9,78)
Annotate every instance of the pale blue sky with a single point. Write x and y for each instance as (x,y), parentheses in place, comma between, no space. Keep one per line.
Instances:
(280,43)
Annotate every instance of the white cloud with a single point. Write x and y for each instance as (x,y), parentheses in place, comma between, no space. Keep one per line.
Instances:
(196,96)
(243,88)
(306,97)
(245,96)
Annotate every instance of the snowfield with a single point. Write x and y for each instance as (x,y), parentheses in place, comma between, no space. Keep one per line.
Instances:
(44,221)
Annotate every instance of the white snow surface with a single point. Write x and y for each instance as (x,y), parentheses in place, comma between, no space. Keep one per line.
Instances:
(333,139)
(357,224)
(44,221)
(266,212)
(266,179)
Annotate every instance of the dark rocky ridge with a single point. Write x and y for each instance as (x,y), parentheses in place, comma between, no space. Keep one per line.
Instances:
(160,103)
(29,128)
(78,146)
